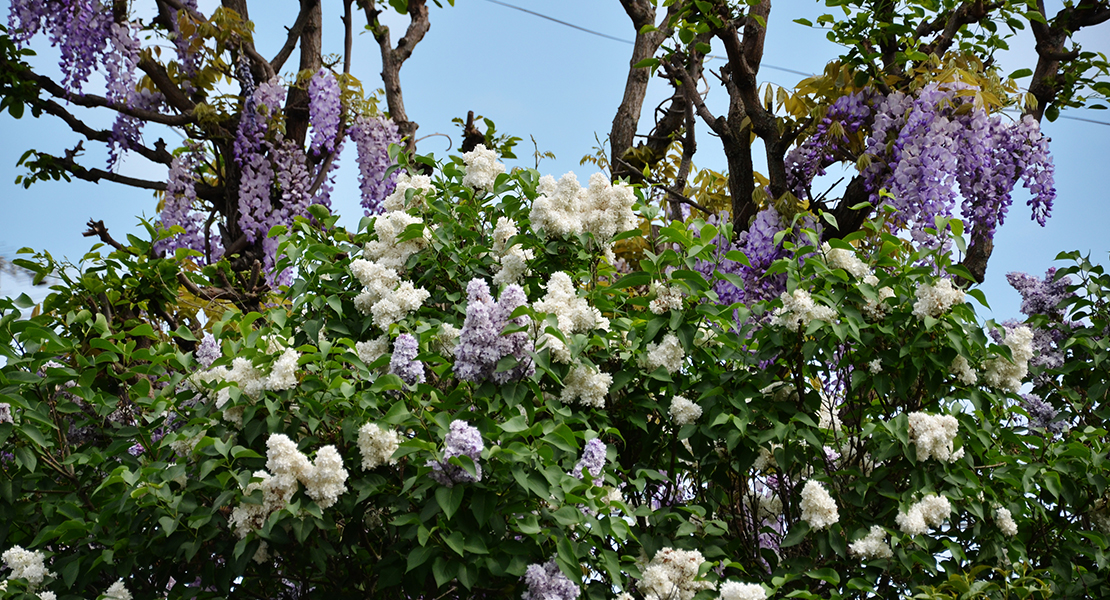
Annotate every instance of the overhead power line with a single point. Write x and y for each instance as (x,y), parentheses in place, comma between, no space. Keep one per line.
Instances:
(765,65)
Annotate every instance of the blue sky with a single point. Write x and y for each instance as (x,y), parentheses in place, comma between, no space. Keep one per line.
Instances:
(534,77)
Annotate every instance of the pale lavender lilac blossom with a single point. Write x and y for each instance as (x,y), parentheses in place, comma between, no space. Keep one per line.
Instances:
(462,440)
(592,459)
(481,342)
(1041,414)
(403,363)
(547,582)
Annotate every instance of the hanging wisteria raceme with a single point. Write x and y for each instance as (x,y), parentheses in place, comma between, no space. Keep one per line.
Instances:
(187,55)
(251,149)
(924,149)
(828,143)
(372,137)
(325,111)
(758,244)
(80,29)
(180,208)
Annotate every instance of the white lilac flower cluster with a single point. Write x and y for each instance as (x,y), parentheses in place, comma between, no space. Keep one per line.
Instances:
(324,481)
(462,440)
(935,300)
(29,565)
(421,186)
(799,309)
(586,384)
(482,168)
(564,209)
(876,309)
(1006,375)
(668,354)
(368,352)
(963,370)
(840,258)
(388,250)
(575,315)
(249,379)
(377,445)
(547,582)
(512,261)
(5,413)
(386,296)
(931,511)
(683,411)
(667,298)
(592,459)
(1005,521)
(673,575)
(481,342)
(117,591)
(734,590)
(933,435)
(873,546)
(818,507)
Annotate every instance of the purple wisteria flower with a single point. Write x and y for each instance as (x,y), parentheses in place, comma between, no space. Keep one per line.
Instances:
(481,342)
(403,363)
(758,244)
(324,110)
(592,459)
(372,137)
(462,440)
(547,582)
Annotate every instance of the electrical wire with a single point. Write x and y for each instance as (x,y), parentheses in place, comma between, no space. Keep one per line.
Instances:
(710,56)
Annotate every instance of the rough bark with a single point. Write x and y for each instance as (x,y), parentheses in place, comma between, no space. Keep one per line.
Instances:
(296,103)
(625,122)
(393,58)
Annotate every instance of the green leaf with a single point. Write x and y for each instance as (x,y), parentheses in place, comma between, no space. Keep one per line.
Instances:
(515,425)
(1021,73)
(635,279)
(647,62)
(449,499)
(456,542)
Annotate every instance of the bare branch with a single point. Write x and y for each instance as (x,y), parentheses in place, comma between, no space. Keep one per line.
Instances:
(394,58)
(98,229)
(291,41)
(93,101)
(950,24)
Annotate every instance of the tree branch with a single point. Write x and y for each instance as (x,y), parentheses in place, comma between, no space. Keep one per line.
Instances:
(291,41)
(394,58)
(93,101)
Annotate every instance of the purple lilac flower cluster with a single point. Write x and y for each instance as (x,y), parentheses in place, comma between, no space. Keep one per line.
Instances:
(462,440)
(592,460)
(481,343)
(208,351)
(547,582)
(1040,297)
(1041,414)
(403,363)
(372,137)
